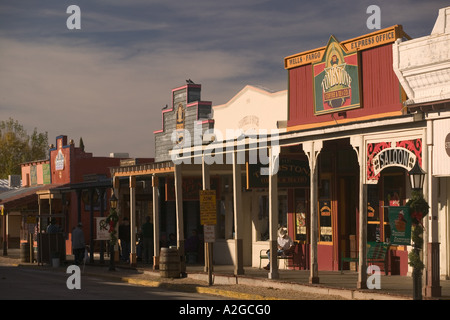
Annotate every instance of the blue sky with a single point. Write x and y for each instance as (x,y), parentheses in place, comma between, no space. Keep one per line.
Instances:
(108,81)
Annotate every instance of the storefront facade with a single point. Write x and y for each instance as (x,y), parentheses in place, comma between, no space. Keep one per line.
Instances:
(69,187)
(176,206)
(349,132)
(423,70)
(347,99)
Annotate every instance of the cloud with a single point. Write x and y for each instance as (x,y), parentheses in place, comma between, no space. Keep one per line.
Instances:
(97,93)
(108,81)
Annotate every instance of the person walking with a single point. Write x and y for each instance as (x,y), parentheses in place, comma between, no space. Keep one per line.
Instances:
(147,239)
(78,244)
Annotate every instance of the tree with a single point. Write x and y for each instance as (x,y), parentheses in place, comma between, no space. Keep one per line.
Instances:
(16,147)
(81,144)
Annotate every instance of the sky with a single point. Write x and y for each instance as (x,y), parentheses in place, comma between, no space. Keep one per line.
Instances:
(108,81)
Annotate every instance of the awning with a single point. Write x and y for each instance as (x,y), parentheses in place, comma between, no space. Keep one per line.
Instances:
(24,195)
(100,183)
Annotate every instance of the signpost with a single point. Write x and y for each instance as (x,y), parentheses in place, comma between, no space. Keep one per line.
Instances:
(209,233)
(208,218)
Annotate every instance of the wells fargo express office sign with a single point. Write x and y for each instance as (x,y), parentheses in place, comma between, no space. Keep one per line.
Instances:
(336,80)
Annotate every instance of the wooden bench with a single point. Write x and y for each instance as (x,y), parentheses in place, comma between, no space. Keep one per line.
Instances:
(376,253)
(289,256)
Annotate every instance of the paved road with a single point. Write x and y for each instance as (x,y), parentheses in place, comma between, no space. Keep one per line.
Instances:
(31,284)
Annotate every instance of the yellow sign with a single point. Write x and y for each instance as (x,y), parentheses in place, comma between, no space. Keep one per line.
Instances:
(31,220)
(377,38)
(208,210)
(2,208)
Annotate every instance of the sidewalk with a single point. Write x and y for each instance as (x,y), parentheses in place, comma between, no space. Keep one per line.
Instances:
(339,285)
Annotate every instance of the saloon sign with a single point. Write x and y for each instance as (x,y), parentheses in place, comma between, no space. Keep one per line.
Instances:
(392,154)
(393,157)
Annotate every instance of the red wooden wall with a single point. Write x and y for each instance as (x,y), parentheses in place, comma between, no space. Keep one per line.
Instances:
(380,91)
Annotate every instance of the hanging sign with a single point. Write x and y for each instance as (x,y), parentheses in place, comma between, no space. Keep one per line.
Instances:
(400,222)
(102,229)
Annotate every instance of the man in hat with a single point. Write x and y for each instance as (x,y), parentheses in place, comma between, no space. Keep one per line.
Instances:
(284,244)
(78,244)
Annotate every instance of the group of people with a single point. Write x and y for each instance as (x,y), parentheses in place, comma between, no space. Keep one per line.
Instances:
(145,245)
(79,245)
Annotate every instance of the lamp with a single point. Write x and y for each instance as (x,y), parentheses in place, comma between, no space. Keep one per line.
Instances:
(113,201)
(112,220)
(417,177)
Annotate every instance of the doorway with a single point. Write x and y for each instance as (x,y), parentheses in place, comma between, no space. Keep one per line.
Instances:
(348,199)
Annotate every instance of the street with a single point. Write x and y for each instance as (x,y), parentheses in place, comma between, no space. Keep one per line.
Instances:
(31,284)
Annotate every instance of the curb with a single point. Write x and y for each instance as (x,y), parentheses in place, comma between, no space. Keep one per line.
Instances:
(345,293)
(184,287)
(197,289)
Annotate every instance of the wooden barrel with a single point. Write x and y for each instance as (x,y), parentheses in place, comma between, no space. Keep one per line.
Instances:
(169,263)
(24,252)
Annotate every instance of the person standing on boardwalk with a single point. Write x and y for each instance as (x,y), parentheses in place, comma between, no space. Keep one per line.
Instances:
(147,238)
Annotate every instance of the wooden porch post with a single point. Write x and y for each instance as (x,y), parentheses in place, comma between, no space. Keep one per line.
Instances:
(179,216)
(237,200)
(312,150)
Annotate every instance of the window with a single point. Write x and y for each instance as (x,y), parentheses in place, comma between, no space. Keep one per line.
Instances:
(301,215)
(325,210)
(390,191)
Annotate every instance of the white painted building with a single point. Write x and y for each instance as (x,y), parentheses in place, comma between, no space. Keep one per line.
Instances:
(253,108)
(423,68)
(258,110)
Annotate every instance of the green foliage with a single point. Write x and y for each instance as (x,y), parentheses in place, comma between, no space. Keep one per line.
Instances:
(16,147)
(414,256)
(419,208)
(112,220)
(81,144)
(417,203)
(415,261)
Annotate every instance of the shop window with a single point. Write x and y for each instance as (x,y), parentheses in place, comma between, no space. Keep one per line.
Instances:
(225,218)
(282,210)
(390,191)
(301,215)
(373,213)
(221,213)
(263,215)
(225,211)
(325,210)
